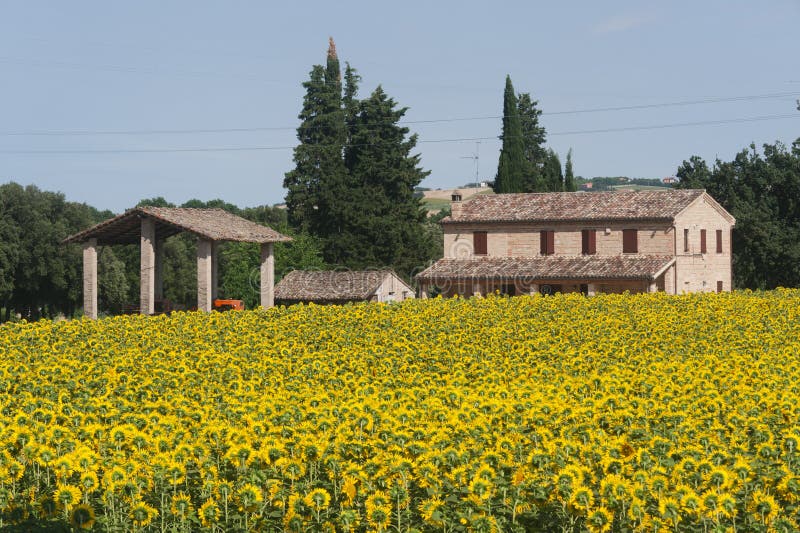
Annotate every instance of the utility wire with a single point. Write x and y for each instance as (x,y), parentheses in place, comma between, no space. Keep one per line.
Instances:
(66,133)
(462,139)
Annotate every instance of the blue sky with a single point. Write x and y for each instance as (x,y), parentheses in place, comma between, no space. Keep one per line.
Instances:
(152,66)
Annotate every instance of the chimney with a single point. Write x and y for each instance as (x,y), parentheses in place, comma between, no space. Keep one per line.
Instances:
(455,205)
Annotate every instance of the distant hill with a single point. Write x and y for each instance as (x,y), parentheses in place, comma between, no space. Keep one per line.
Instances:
(438,199)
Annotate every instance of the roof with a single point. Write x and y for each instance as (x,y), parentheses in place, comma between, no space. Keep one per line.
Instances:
(330,285)
(551,267)
(213,224)
(576,206)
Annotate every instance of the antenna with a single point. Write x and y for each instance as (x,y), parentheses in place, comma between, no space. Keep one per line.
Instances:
(475,157)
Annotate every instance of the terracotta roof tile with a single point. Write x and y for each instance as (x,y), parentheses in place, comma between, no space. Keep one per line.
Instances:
(213,224)
(553,267)
(576,206)
(330,285)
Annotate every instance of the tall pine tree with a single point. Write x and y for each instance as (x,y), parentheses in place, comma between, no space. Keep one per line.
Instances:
(388,219)
(319,176)
(353,183)
(510,168)
(552,178)
(533,140)
(569,175)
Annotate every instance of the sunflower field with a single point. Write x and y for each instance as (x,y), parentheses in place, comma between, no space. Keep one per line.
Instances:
(612,413)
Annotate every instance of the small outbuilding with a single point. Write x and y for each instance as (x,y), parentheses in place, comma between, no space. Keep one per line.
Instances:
(149,226)
(338,287)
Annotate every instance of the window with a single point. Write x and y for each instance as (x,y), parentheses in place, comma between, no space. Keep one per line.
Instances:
(719,241)
(547,242)
(703,241)
(479,246)
(588,242)
(630,241)
(719,286)
(686,241)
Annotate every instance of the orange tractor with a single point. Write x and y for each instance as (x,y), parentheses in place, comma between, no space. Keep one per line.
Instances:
(228,305)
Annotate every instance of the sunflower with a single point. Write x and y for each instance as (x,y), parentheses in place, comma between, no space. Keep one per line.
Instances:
(67,496)
(82,517)
(141,514)
(181,505)
(318,499)
(599,520)
(209,513)
(249,497)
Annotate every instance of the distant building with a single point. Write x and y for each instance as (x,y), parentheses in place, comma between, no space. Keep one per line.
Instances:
(671,240)
(338,287)
(669,180)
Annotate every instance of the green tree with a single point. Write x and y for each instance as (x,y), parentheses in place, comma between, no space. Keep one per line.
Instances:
(112,281)
(569,176)
(762,191)
(552,178)
(534,137)
(385,220)
(319,178)
(694,173)
(511,165)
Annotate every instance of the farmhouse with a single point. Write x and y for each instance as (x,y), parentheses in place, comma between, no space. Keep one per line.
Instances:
(149,226)
(638,241)
(336,287)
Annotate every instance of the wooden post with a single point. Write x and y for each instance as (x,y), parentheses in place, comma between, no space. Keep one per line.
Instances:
(267,275)
(90,279)
(147,268)
(204,276)
(214,271)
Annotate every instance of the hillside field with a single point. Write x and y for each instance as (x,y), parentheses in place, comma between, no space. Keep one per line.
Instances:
(564,413)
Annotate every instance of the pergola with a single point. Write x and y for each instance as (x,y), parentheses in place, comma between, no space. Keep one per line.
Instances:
(149,226)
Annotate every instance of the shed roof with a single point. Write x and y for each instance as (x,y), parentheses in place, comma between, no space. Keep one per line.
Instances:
(213,224)
(552,267)
(576,206)
(330,285)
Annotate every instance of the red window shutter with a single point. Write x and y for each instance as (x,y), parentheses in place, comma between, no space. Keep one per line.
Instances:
(546,242)
(719,286)
(630,241)
(479,244)
(588,242)
(719,241)
(703,241)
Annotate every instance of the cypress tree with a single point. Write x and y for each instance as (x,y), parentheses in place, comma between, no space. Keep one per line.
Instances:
(319,178)
(512,159)
(553,179)
(533,141)
(569,176)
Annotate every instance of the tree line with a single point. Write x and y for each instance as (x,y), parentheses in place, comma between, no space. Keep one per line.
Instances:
(762,191)
(40,277)
(351,203)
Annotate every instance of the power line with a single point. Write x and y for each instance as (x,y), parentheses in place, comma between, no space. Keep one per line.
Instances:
(421,141)
(66,133)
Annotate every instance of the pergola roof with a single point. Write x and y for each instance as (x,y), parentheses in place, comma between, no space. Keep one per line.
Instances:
(212,224)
